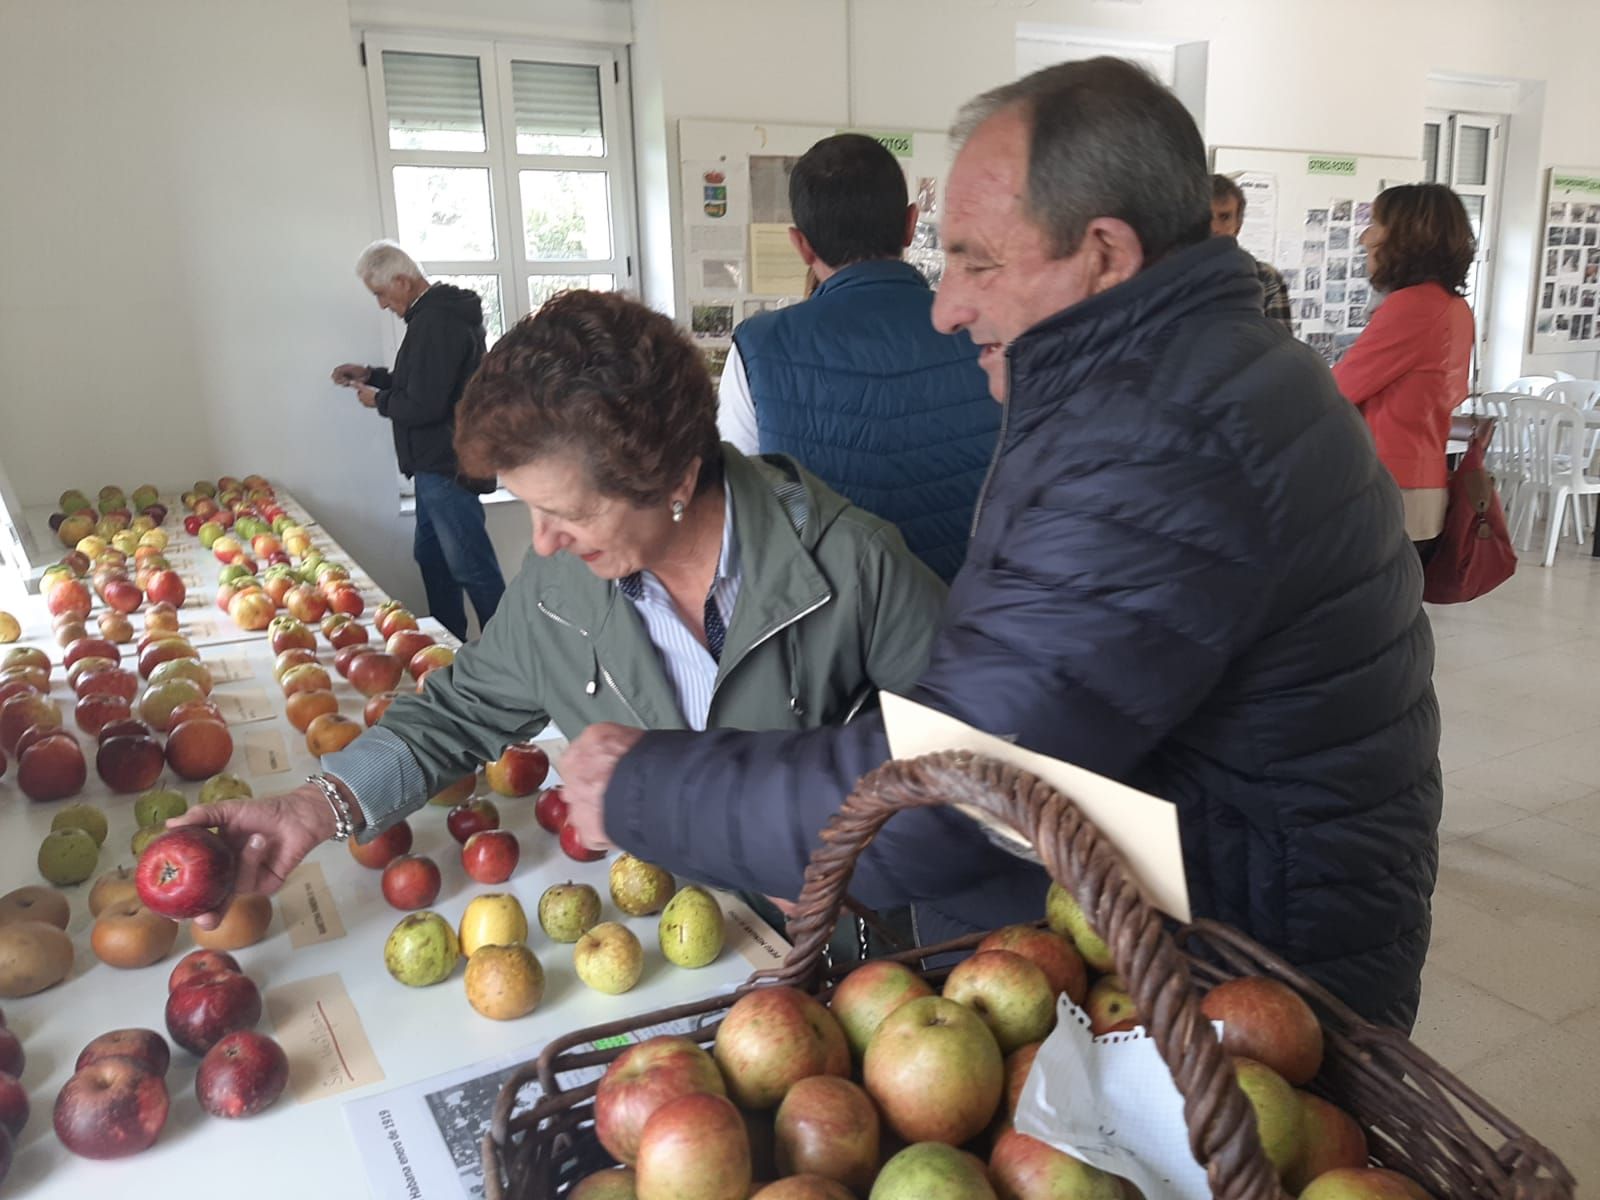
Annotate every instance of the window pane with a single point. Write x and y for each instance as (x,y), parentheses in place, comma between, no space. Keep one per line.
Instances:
(542,287)
(1472,155)
(566,215)
(1474,207)
(1430,153)
(434,100)
(444,212)
(558,108)
(488,289)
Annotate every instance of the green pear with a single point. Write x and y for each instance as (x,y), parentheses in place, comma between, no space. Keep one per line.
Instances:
(68,856)
(1067,919)
(158,806)
(224,787)
(692,929)
(85,817)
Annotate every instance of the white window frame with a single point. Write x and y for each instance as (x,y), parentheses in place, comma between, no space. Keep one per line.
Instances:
(1450,126)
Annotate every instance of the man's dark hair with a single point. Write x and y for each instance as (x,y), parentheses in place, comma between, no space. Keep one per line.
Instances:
(1223,188)
(1107,140)
(1426,238)
(848,196)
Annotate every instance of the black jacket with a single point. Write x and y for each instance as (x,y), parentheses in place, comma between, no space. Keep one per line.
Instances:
(1189,573)
(443,346)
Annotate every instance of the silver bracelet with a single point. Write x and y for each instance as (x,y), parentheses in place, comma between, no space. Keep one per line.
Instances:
(343,822)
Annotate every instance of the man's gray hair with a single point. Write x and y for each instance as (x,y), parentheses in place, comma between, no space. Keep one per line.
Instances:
(1106,139)
(383,262)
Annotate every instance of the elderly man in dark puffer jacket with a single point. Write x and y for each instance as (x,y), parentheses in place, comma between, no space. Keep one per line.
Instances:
(1188,572)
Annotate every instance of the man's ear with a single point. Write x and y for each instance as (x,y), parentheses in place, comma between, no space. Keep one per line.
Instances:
(1116,254)
(911,224)
(802,246)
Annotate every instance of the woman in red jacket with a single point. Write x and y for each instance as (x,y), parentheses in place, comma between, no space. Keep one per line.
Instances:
(1409,370)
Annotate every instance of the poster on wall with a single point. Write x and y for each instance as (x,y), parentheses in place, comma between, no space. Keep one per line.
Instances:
(1567,299)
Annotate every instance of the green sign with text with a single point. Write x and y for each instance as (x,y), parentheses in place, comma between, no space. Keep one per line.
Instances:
(896,143)
(1577,183)
(1329,164)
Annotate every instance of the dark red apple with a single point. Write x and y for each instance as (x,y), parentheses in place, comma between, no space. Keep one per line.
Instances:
(130,764)
(474,816)
(185,872)
(166,587)
(13,1107)
(95,710)
(491,856)
(411,881)
(110,1109)
(200,962)
(551,810)
(89,647)
(112,681)
(128,727)
(383,849)
(52,768)
(575,849)
(199,748)
(123,595)
(375,672)
(11,1056)
(1269,1022)
(205,1010)
(241,1075)
(405,643)
(144,1046)
(191,525)
(21,712)
(344,657)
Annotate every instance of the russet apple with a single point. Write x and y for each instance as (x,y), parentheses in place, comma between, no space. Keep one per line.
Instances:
(828,1126)
(568,910)
(411,881)
(775,1036)
(1050,952)
(110,1109)
(128,935)
(240,1076)
(199,748)
(1009,992)
(935,1070)
(115,627)
(472,817)
(200,962)
(244,923)
(331,732)
(490,856)
(608,958)
(639,888)
(161,616)
(643,1078)
(504,982)
(203,1011)
(870,993)
(115,886)
(144,1046)
(383,849)
(302,708)
(692,929)
(519,771)
(695,1146)
(185,872)
(1267,1020)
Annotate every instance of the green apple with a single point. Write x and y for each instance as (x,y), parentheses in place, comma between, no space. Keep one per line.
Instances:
(144,835)
(692,929)
(158,806)
(68,856)
(225,786)
(422,950)
(932,1171)
(567,911)
(1067,919)
(639,888)
(609,958)
(85,817)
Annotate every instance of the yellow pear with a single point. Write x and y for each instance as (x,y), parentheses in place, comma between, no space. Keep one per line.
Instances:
(495,919)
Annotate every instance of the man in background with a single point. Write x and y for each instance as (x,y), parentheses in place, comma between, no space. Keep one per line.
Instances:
(443,345)
(1227,218)
(856,384)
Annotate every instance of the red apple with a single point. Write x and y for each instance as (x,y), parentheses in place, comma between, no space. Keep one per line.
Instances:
(90,647)
(205,1010)
(1269,1022)
(111,1109)
(490,856)
(383,849)
(474,816)
(869,994)
(129,727)
(346,600)
(1053,954)
(643,1078)
(690,1140)
(13,1110)
(199,748)
(288,633)
(166,587)
(305,602)
(95,709)
(241,1075)
(389,621)
(935,1071)
(1028,1169)
(162,647)
(195,710)
(346,631)
(412,881)
(77,672)
(129,764)
(123,595)
(1332,1139)
(144,1046)
(376,671)
(307,677)
(405,643)
(344,657)
(430,658)
(1364,1183)
(185,872)
(200,962)
(1009,992)
(113,681)
(572,846)
(12,685)
(828,1127)
(773,1037)
(519,771)
(52,768)
(551,810)
(191,525)
(69,595)
(377,706)
(291,658)
(12,1058)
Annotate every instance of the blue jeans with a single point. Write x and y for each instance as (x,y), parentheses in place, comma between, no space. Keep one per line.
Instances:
(453,550)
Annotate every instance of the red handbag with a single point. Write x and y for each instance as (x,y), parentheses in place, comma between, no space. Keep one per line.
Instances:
(1474,554)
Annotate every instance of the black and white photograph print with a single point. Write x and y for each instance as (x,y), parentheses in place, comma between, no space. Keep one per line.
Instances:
(1291,279)
(1549,300)
(711,320)
(1558,214)
(1586,299)
(1356,318)
(1313,279)
(1545,324)
(1338,269)
(1358,266)
(1363,213)
(1339,237)
(1310,309)
(1562,323)
(1593,216)
(1341,211)
(1333,318)
(1312,254)
(1334,294)
(1571,260)
(1589,238)
(1552,260)
(1574,235)
(1316,221)
(1359,297)
(1554,236)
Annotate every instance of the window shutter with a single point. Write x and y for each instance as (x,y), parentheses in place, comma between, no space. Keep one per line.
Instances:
(557,108)
(432,94)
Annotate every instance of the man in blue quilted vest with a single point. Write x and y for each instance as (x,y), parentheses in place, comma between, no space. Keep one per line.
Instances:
(856,383)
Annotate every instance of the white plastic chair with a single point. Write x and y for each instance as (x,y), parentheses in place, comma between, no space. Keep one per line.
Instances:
(1529,385)
(1562,376)
(1503,461)
(1551,434)
(1580,393)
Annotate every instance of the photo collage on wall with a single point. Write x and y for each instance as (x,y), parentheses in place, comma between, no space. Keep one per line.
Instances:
(1325,272)
(1568,306)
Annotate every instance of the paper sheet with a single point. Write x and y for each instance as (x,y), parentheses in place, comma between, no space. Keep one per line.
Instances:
(1111,1102)
(321,1032)
(240,708)
(230,669)
(775,268)
(1260,190)
(265,751)
(1143,829)
(309,912)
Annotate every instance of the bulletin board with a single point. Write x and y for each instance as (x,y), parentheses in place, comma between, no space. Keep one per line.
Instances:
(1566,313)
(733,244)
(1304,213)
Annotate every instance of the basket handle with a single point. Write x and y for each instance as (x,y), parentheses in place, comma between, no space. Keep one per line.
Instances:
(1222,1128)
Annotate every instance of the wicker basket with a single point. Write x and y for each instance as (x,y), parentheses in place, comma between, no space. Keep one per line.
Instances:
(1421,1119)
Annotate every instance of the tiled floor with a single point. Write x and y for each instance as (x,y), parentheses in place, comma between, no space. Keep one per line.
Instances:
(1511,994)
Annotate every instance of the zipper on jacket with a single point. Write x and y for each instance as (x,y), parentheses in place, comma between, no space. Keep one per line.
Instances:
(769,635)
(994,459)
(604,674)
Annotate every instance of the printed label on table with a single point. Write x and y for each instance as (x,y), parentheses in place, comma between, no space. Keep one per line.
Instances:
(321,1032)
(309,913)
(752,937)
(231,669)
(201,629)
(243,707)
(265,752)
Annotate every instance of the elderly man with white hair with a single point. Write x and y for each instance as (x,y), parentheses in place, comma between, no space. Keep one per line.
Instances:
(443,345)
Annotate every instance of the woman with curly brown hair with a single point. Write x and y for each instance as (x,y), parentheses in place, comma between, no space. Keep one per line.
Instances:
(1410,368)
(673,583)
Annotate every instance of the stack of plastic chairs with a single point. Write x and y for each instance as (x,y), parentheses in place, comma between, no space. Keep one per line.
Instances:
(1550,437)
